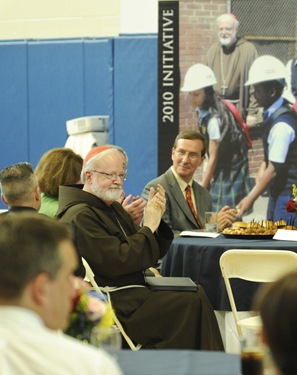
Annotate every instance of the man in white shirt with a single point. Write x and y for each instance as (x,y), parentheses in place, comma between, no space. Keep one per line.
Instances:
(278,171)
(37,260)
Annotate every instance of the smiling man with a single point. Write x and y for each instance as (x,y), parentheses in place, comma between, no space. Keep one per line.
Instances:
(119,251)
(188,153)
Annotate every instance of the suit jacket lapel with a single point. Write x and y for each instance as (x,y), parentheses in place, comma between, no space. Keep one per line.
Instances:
(179,197)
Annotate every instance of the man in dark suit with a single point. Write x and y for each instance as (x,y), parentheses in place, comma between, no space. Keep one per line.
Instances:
(188,153)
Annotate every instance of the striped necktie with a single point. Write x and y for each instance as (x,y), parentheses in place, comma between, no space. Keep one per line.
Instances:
(191,205)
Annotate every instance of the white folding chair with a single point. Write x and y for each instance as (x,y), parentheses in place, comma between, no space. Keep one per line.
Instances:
(90,277)
(254,265)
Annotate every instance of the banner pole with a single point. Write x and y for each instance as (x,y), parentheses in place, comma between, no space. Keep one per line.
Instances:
(168,81)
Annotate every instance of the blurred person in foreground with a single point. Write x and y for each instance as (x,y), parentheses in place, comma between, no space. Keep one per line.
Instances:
(19,188)
(188,153)
(230,59)
(278,170)
(277,304)
(119,251)
(37,258)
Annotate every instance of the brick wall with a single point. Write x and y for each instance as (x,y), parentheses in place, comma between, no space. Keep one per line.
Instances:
(197,32)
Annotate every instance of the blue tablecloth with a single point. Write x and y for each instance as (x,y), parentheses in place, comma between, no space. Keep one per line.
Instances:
(178,362)
(198,258)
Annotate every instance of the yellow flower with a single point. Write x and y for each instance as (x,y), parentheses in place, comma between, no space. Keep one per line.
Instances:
(91,309)
(294,190)
(107,319)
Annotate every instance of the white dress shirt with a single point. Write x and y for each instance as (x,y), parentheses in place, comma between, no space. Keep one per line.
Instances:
(27,347)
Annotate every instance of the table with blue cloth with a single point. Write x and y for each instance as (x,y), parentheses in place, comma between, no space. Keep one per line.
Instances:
(198,258)
(178,362)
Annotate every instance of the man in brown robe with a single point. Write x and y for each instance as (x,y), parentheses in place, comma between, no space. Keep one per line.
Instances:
(230,59)
(119,252)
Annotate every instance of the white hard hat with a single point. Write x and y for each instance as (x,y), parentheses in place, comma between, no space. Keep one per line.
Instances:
(197,77)
(266,68)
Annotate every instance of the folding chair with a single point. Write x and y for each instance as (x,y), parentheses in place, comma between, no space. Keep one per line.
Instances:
(254,265)
(91,278)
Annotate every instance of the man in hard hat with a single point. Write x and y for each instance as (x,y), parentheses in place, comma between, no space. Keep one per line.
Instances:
(278,171)
(188,153)
(230,59)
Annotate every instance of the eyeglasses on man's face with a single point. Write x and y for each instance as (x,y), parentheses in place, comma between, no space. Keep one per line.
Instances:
(112,176)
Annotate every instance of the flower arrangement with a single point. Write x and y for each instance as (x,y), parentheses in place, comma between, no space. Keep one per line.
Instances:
(90,309)
(292,203)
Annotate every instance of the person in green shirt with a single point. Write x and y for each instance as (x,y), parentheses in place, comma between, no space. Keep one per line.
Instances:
(58,166)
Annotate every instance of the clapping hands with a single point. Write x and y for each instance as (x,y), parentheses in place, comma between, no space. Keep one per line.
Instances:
(155,208)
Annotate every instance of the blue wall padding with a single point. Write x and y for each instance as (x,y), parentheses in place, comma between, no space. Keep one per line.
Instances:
(135,107)
(98,79)
(55,84)
(60,73)
(45,83)
(13,103)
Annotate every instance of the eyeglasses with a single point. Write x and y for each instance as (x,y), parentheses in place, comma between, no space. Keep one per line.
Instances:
(112,176)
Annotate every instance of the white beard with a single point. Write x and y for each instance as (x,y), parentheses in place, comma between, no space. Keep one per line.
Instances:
(112,194)
(227,41)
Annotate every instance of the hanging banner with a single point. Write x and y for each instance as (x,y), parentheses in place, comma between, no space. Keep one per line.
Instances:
(168,81)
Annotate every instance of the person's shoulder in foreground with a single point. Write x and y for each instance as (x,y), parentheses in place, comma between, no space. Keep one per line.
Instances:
(30,353)
(277,305)
(36,300)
